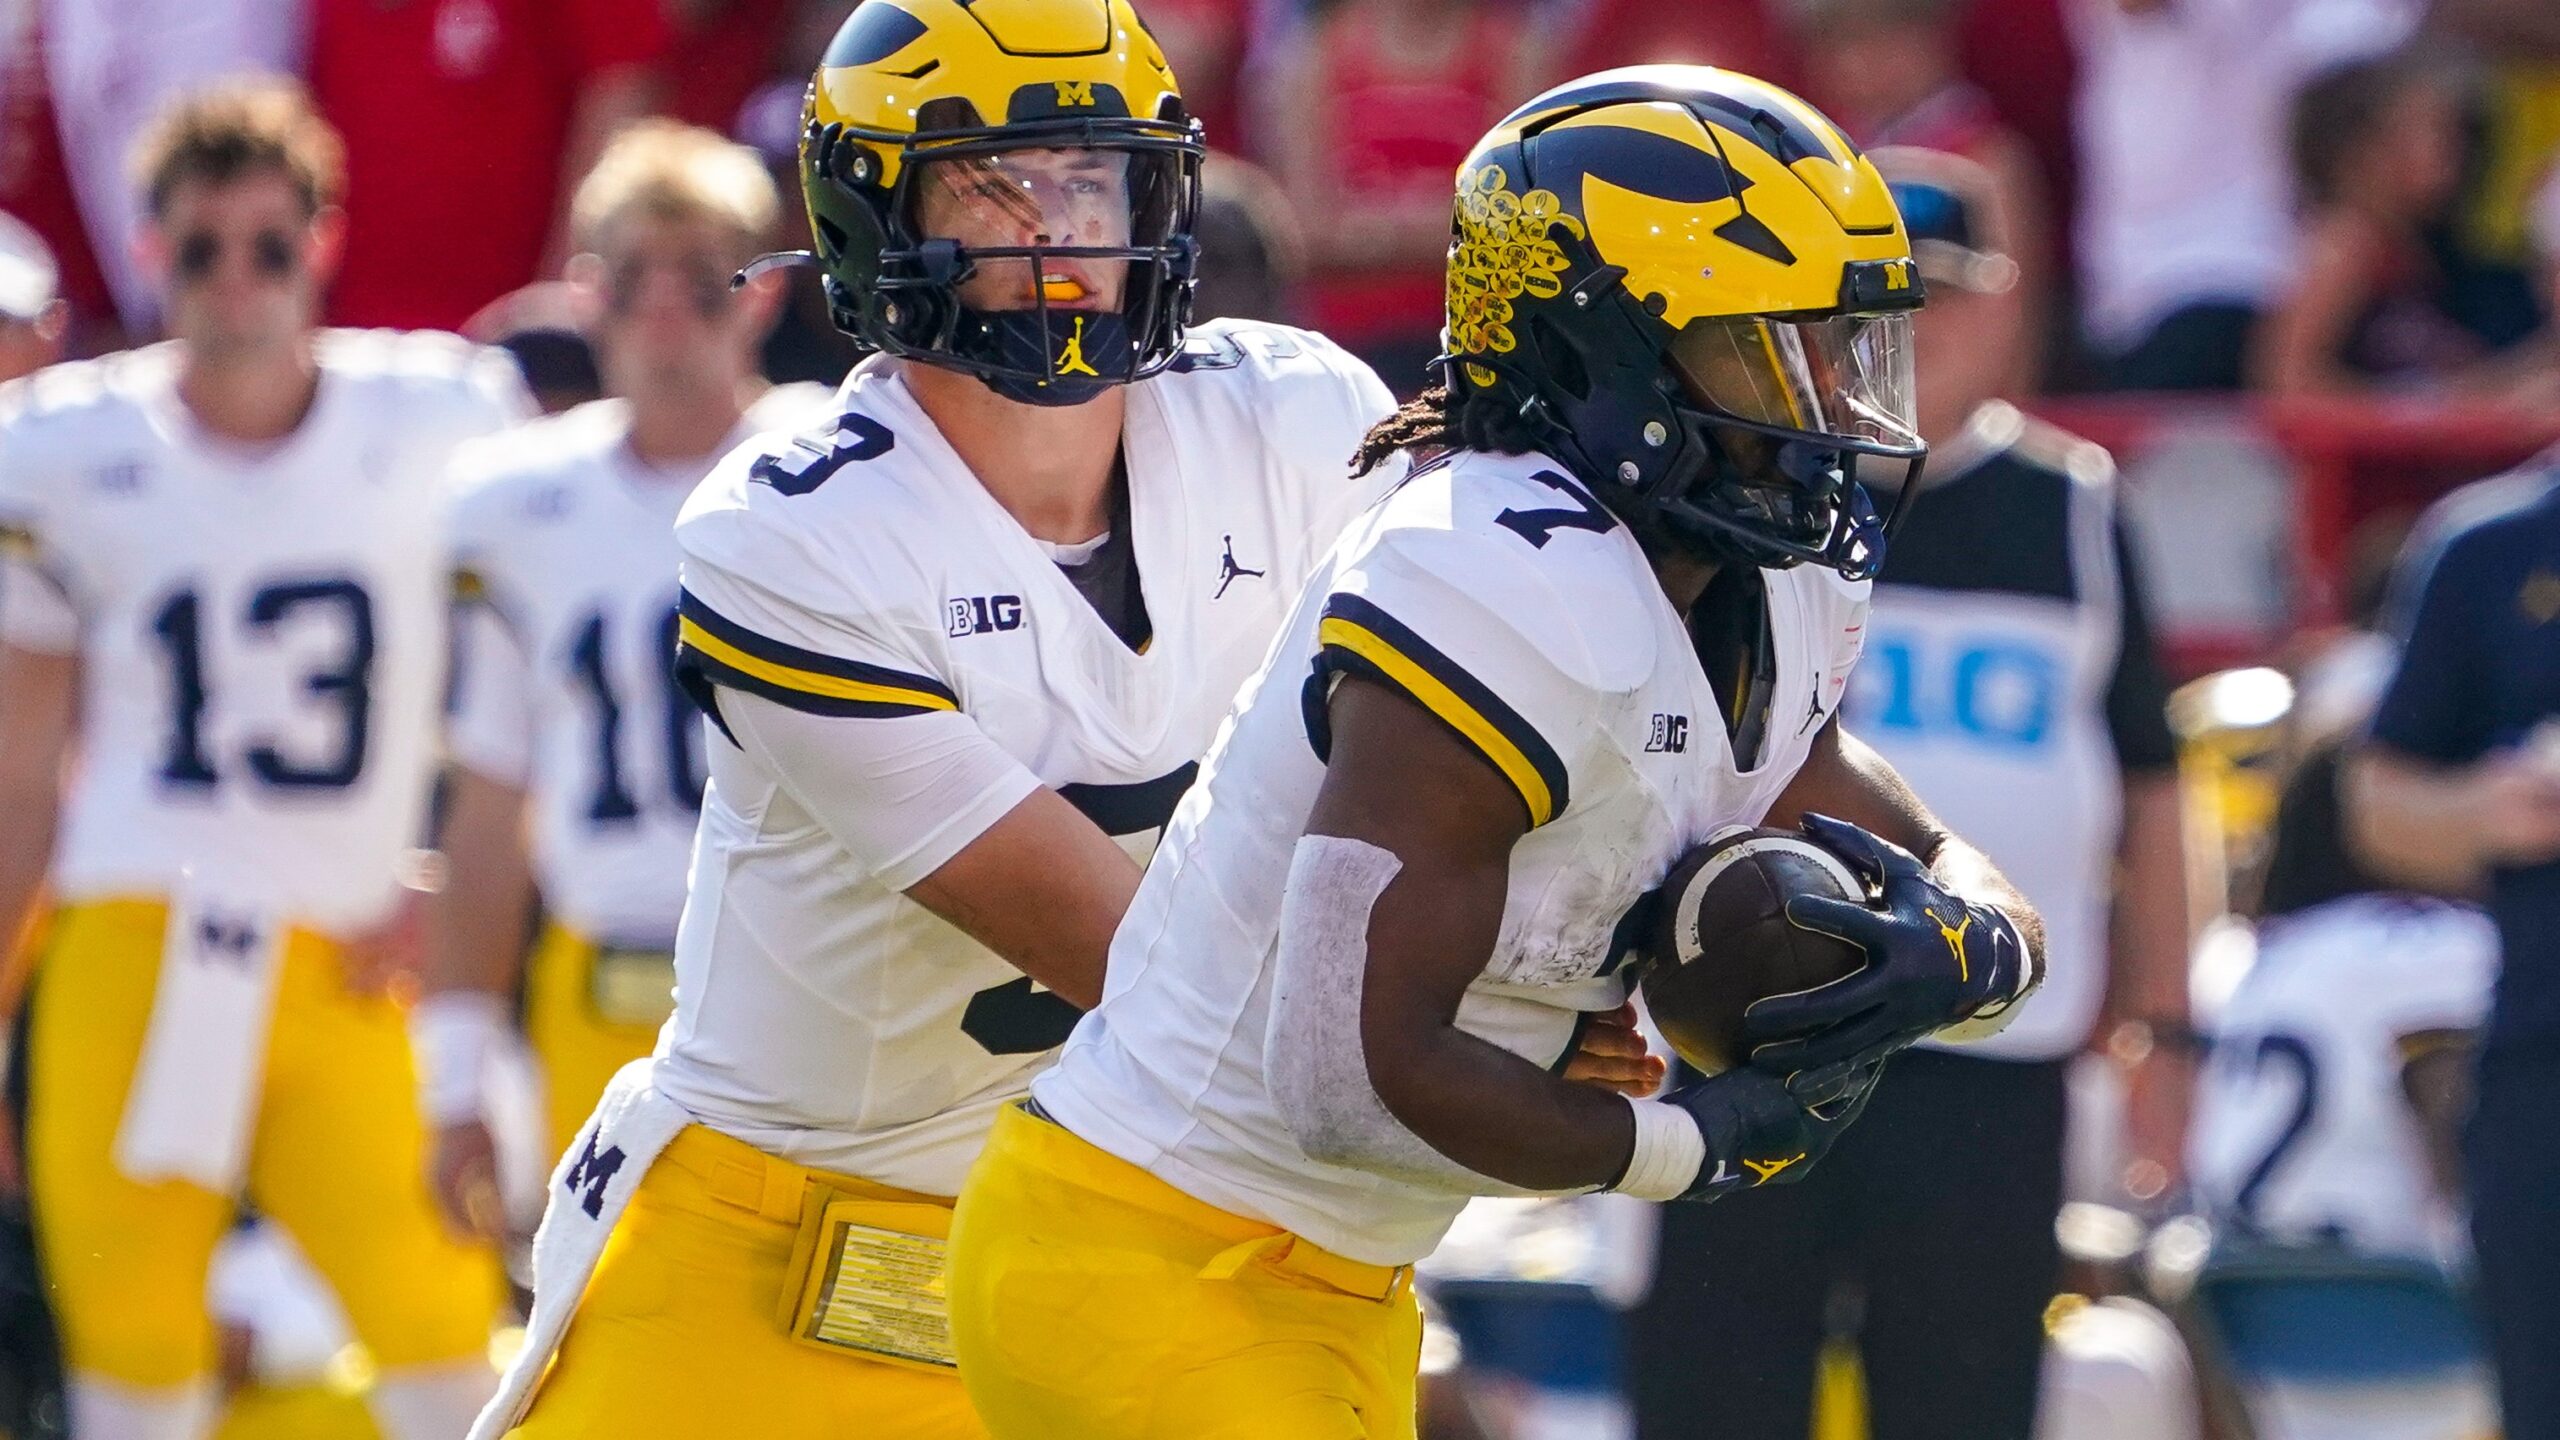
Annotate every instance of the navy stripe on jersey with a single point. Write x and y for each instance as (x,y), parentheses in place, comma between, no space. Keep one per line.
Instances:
(730,654)
(1132,809)
(1357,637)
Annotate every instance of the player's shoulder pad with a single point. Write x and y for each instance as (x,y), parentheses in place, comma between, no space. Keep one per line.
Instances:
(2003,446)
(65,415)
(2490,513)
(1295,387)
(793,406)
(832,526)
(516,477)
(1515,542)
(429,376)
(2047,446)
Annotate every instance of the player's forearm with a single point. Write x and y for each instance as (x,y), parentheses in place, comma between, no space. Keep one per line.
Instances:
(1847,779)
(1045,889)
(1969,875)
(1499,1115)
(2151,934)
(2416,824)
(27,820)
(487,899)
(37,705)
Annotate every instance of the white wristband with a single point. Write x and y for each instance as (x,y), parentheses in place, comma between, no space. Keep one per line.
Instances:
(1670,1150)
(454,1033)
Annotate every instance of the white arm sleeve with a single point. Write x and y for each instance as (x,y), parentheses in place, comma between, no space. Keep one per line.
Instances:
(34,612)
(1319,1065)
(491,729)
(903,794)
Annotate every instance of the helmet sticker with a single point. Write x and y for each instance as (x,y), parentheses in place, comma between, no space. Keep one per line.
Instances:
(1502,251)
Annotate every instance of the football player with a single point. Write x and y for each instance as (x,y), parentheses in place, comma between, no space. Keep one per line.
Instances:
(2326,1152)
(225,594)
(1612,612)
(577,759)
(963,646)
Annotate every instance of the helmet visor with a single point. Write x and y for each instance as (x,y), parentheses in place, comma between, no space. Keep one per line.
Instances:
(1844,378)
(1052,225)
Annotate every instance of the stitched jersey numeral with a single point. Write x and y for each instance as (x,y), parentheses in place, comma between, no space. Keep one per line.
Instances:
(801,467)
(344,684)
(1539,526)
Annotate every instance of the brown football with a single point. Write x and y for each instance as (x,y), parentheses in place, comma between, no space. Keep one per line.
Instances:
(1721,938)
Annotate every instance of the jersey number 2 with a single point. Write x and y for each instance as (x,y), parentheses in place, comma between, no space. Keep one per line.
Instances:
(346,684)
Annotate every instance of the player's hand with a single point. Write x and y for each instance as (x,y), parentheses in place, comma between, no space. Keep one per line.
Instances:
(1612,1055)
(462,1168)
(2159,1094)
(1759,1133)
(1933,961)
(2516,795)
(389,958)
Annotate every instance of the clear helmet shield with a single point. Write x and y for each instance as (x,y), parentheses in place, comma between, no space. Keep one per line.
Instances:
(1812,423)
(1035,226)
(1845,378)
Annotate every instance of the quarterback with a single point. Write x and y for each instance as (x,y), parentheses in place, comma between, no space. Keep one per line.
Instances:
(962,646)
(577,760)
(222,593)
(1611,613)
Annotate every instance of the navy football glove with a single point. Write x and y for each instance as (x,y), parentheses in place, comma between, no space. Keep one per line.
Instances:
(1759,1133)
(1936,965)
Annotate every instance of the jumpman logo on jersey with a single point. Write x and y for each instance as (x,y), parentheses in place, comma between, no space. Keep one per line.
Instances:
(1813,708)
(1763,1171)
(1071,360)
(1229,571)
(1955,941)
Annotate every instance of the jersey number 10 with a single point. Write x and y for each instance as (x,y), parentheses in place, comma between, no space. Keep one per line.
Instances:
(612,802)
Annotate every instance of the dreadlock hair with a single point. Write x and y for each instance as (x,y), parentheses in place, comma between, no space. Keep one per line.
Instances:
(1470,418)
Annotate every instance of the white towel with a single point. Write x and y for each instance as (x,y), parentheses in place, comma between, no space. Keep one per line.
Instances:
(633,1123)
(195,1095)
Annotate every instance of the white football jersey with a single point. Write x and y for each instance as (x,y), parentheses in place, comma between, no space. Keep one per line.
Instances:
(2300,1122)
(861,570)
(564,545)
(1499,594)
(261,630)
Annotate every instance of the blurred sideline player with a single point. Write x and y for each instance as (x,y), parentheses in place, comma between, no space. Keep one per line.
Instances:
(2009,677)
(2325,1152)
(1502,708)
(963,647)
(227,596)
(33,318)
(577,760)
(32,321)
(2457,792)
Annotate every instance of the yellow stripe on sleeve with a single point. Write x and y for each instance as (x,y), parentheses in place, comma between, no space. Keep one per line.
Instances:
(1444,702)
(809,682)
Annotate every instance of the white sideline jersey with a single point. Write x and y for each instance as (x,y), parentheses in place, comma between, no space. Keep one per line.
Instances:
(261,632)
(2300,1121)
(1501,596)
(564,552)
(860,570)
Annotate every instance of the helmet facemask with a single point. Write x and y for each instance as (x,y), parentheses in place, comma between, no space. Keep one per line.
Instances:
(1803,431)
(1002,247)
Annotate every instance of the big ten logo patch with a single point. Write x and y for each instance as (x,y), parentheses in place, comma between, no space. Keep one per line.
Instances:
(1670,735)
(979,614)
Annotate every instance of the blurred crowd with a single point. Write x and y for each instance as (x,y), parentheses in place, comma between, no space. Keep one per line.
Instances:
(2294,196)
